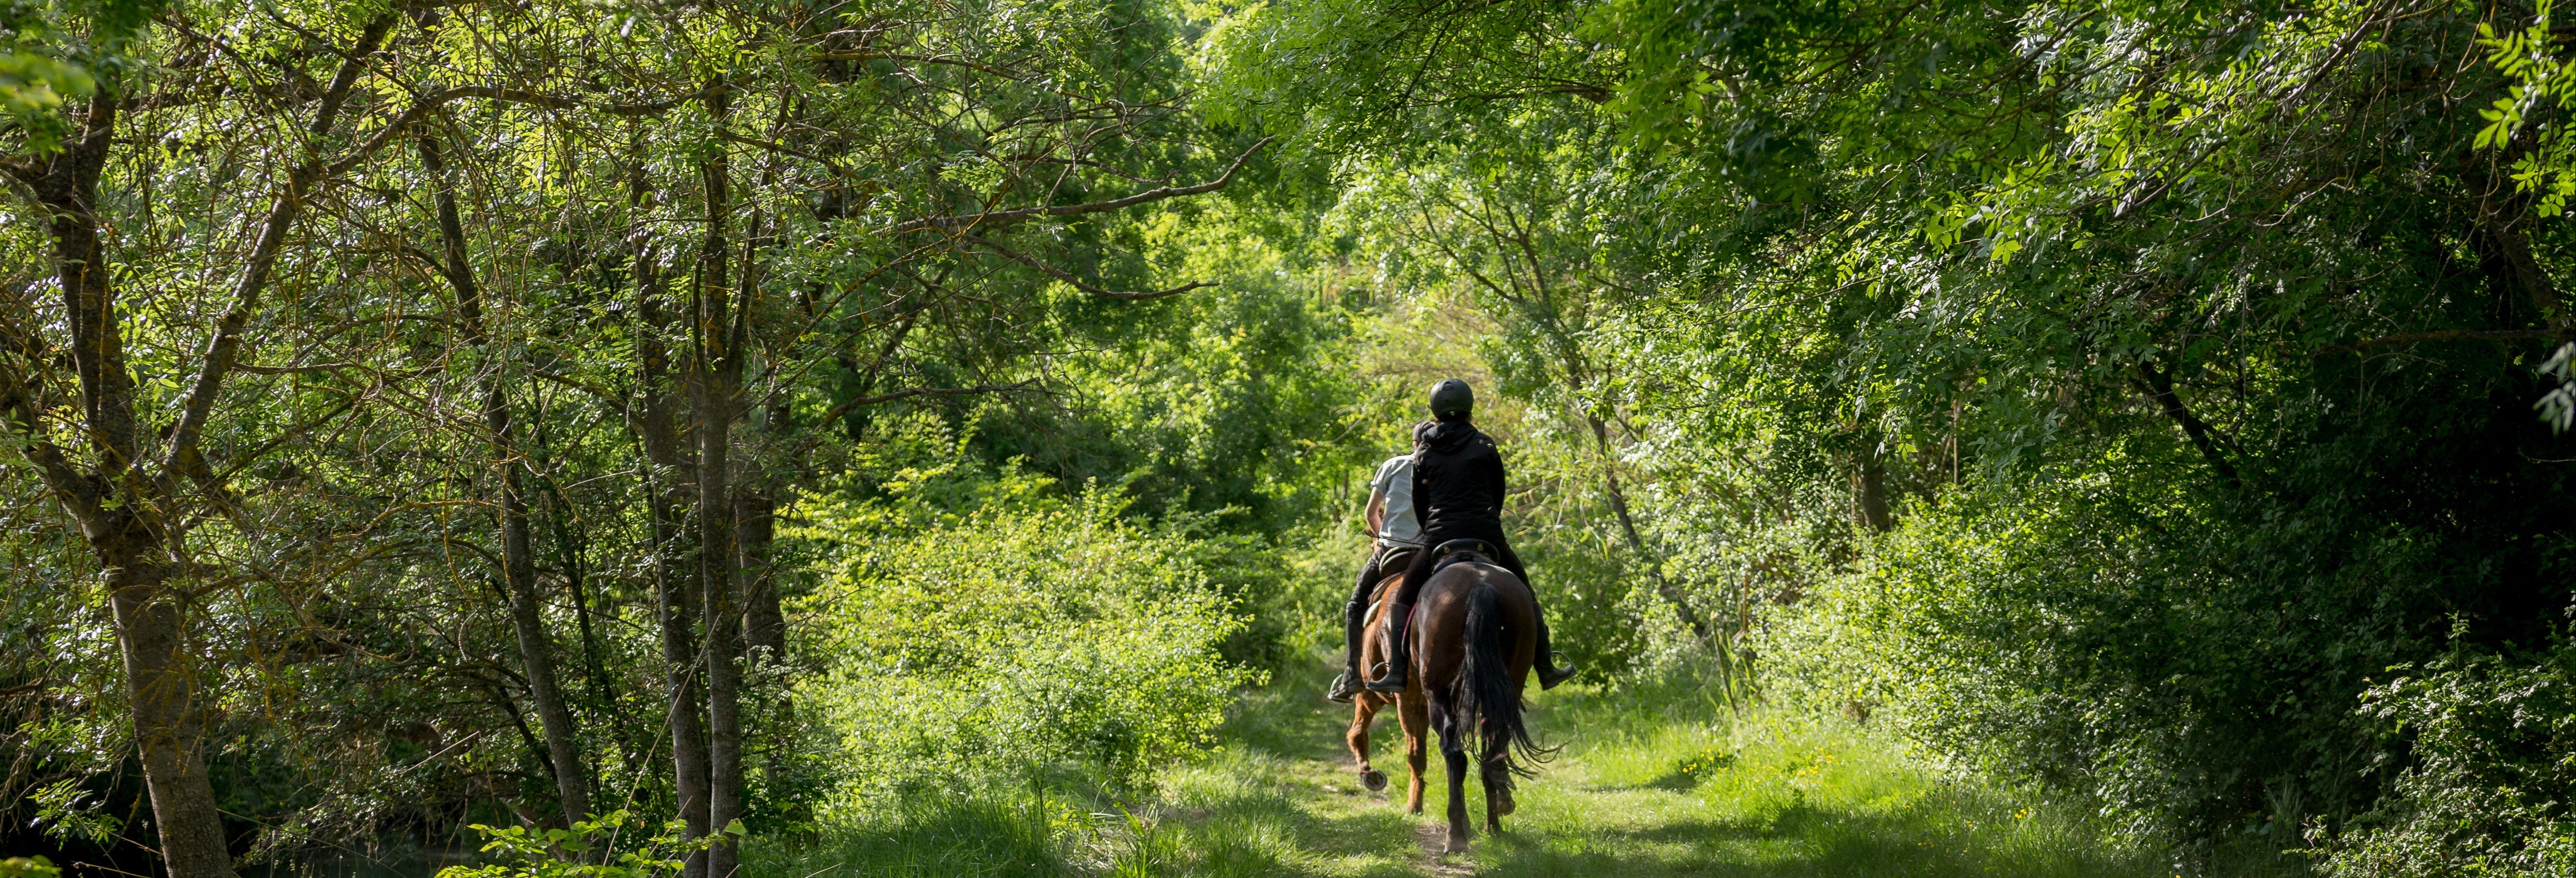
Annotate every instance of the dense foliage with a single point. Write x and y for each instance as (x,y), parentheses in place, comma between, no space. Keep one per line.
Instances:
(402,398)
(965,638)
(2109,396)
(430,413)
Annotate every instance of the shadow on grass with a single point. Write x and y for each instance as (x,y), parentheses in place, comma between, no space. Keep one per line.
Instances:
(966,838)
(1800,841)
(1636,796)
(1651,783)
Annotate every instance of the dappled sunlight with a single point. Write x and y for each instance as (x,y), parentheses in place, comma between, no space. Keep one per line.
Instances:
(1659,791)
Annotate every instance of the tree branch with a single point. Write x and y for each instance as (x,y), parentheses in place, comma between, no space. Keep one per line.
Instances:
(290,370)
(580,385)
(949,60)
(226,344)
(1009,216)
(855,402)
(2160,386)
(2442,335)
(1077,283)
(76,491)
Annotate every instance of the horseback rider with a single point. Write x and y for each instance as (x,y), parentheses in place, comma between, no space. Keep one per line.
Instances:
(1457,494)
(1398,534)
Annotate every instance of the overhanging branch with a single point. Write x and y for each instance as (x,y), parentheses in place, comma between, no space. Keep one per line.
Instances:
(999,217)
(2160,386)
(855,402)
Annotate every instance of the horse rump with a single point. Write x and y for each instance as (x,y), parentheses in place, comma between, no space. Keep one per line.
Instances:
(1486,696)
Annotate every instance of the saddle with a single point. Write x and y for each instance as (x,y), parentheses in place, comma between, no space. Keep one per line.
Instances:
(1443,555)
(1455,551)
(1447,553)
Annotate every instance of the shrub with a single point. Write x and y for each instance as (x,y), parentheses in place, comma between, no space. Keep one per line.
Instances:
(519,852)
(1012,631)
(2494,769)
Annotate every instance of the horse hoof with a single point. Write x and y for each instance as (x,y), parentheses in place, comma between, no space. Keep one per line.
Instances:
(1374,779)
(1456,845)
(1508,807)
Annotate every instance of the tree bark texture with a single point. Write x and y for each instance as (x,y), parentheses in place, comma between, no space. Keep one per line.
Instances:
(764,622)
(161,686)
(518,553)
(1869,490)
(116,509)
(715,377)
(657,429)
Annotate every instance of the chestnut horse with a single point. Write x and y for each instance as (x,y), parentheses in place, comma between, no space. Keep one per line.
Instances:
(1474,637)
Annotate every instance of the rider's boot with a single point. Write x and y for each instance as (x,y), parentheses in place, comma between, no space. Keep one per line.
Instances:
(1398,649)
(1347,686)
(1549,673)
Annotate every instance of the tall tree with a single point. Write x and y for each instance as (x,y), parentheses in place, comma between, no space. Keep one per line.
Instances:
(518,552)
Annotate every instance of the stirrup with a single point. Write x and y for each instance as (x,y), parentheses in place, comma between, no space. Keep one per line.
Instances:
(1345,688)
(1551,674)
(1392,681)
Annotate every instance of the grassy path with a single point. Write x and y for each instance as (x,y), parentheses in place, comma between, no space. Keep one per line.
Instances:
(1639,791)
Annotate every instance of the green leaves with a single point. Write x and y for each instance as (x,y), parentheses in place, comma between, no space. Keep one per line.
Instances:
(568,853)
(2539,80)
(2229,308)
(38,73)
(29,867)
(980,629)
(2486,795)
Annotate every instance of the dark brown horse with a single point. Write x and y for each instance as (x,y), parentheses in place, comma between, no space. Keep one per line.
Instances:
(1474,637)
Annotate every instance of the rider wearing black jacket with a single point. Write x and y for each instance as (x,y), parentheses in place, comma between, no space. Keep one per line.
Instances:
(1458,494)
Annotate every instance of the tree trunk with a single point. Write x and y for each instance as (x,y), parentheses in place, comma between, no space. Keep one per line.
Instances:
(716,374)
(518,554)
(2160,387)
(723,619)
(112,505)
(2505,254)
(657,430)
(568,552)
(676,597)
(127,509)
(1869,491)
(160,687)
(764,623)
(518,569)
(764,626)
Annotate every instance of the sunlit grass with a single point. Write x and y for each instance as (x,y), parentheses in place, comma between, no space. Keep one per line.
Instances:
(1649,783)
(963,837)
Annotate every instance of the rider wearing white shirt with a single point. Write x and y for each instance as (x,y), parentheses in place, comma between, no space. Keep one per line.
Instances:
(1399,535)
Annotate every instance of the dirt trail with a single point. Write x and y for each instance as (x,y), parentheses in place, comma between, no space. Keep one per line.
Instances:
(1642,790)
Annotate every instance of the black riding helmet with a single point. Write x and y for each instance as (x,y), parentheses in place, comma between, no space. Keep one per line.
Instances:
(1451,399)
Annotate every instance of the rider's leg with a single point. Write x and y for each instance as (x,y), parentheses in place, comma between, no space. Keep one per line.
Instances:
(1399,617)
(1549,673)
(1355,616)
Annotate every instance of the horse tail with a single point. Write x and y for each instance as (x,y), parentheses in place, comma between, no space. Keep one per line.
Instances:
(1486,694)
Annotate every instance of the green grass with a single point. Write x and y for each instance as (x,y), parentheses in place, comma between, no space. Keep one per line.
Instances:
(1648,784)
(978,837)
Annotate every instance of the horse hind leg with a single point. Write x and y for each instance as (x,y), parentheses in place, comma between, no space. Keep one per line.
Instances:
(1363,713)
(1497,775)
(1415,716)
(1456,759)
